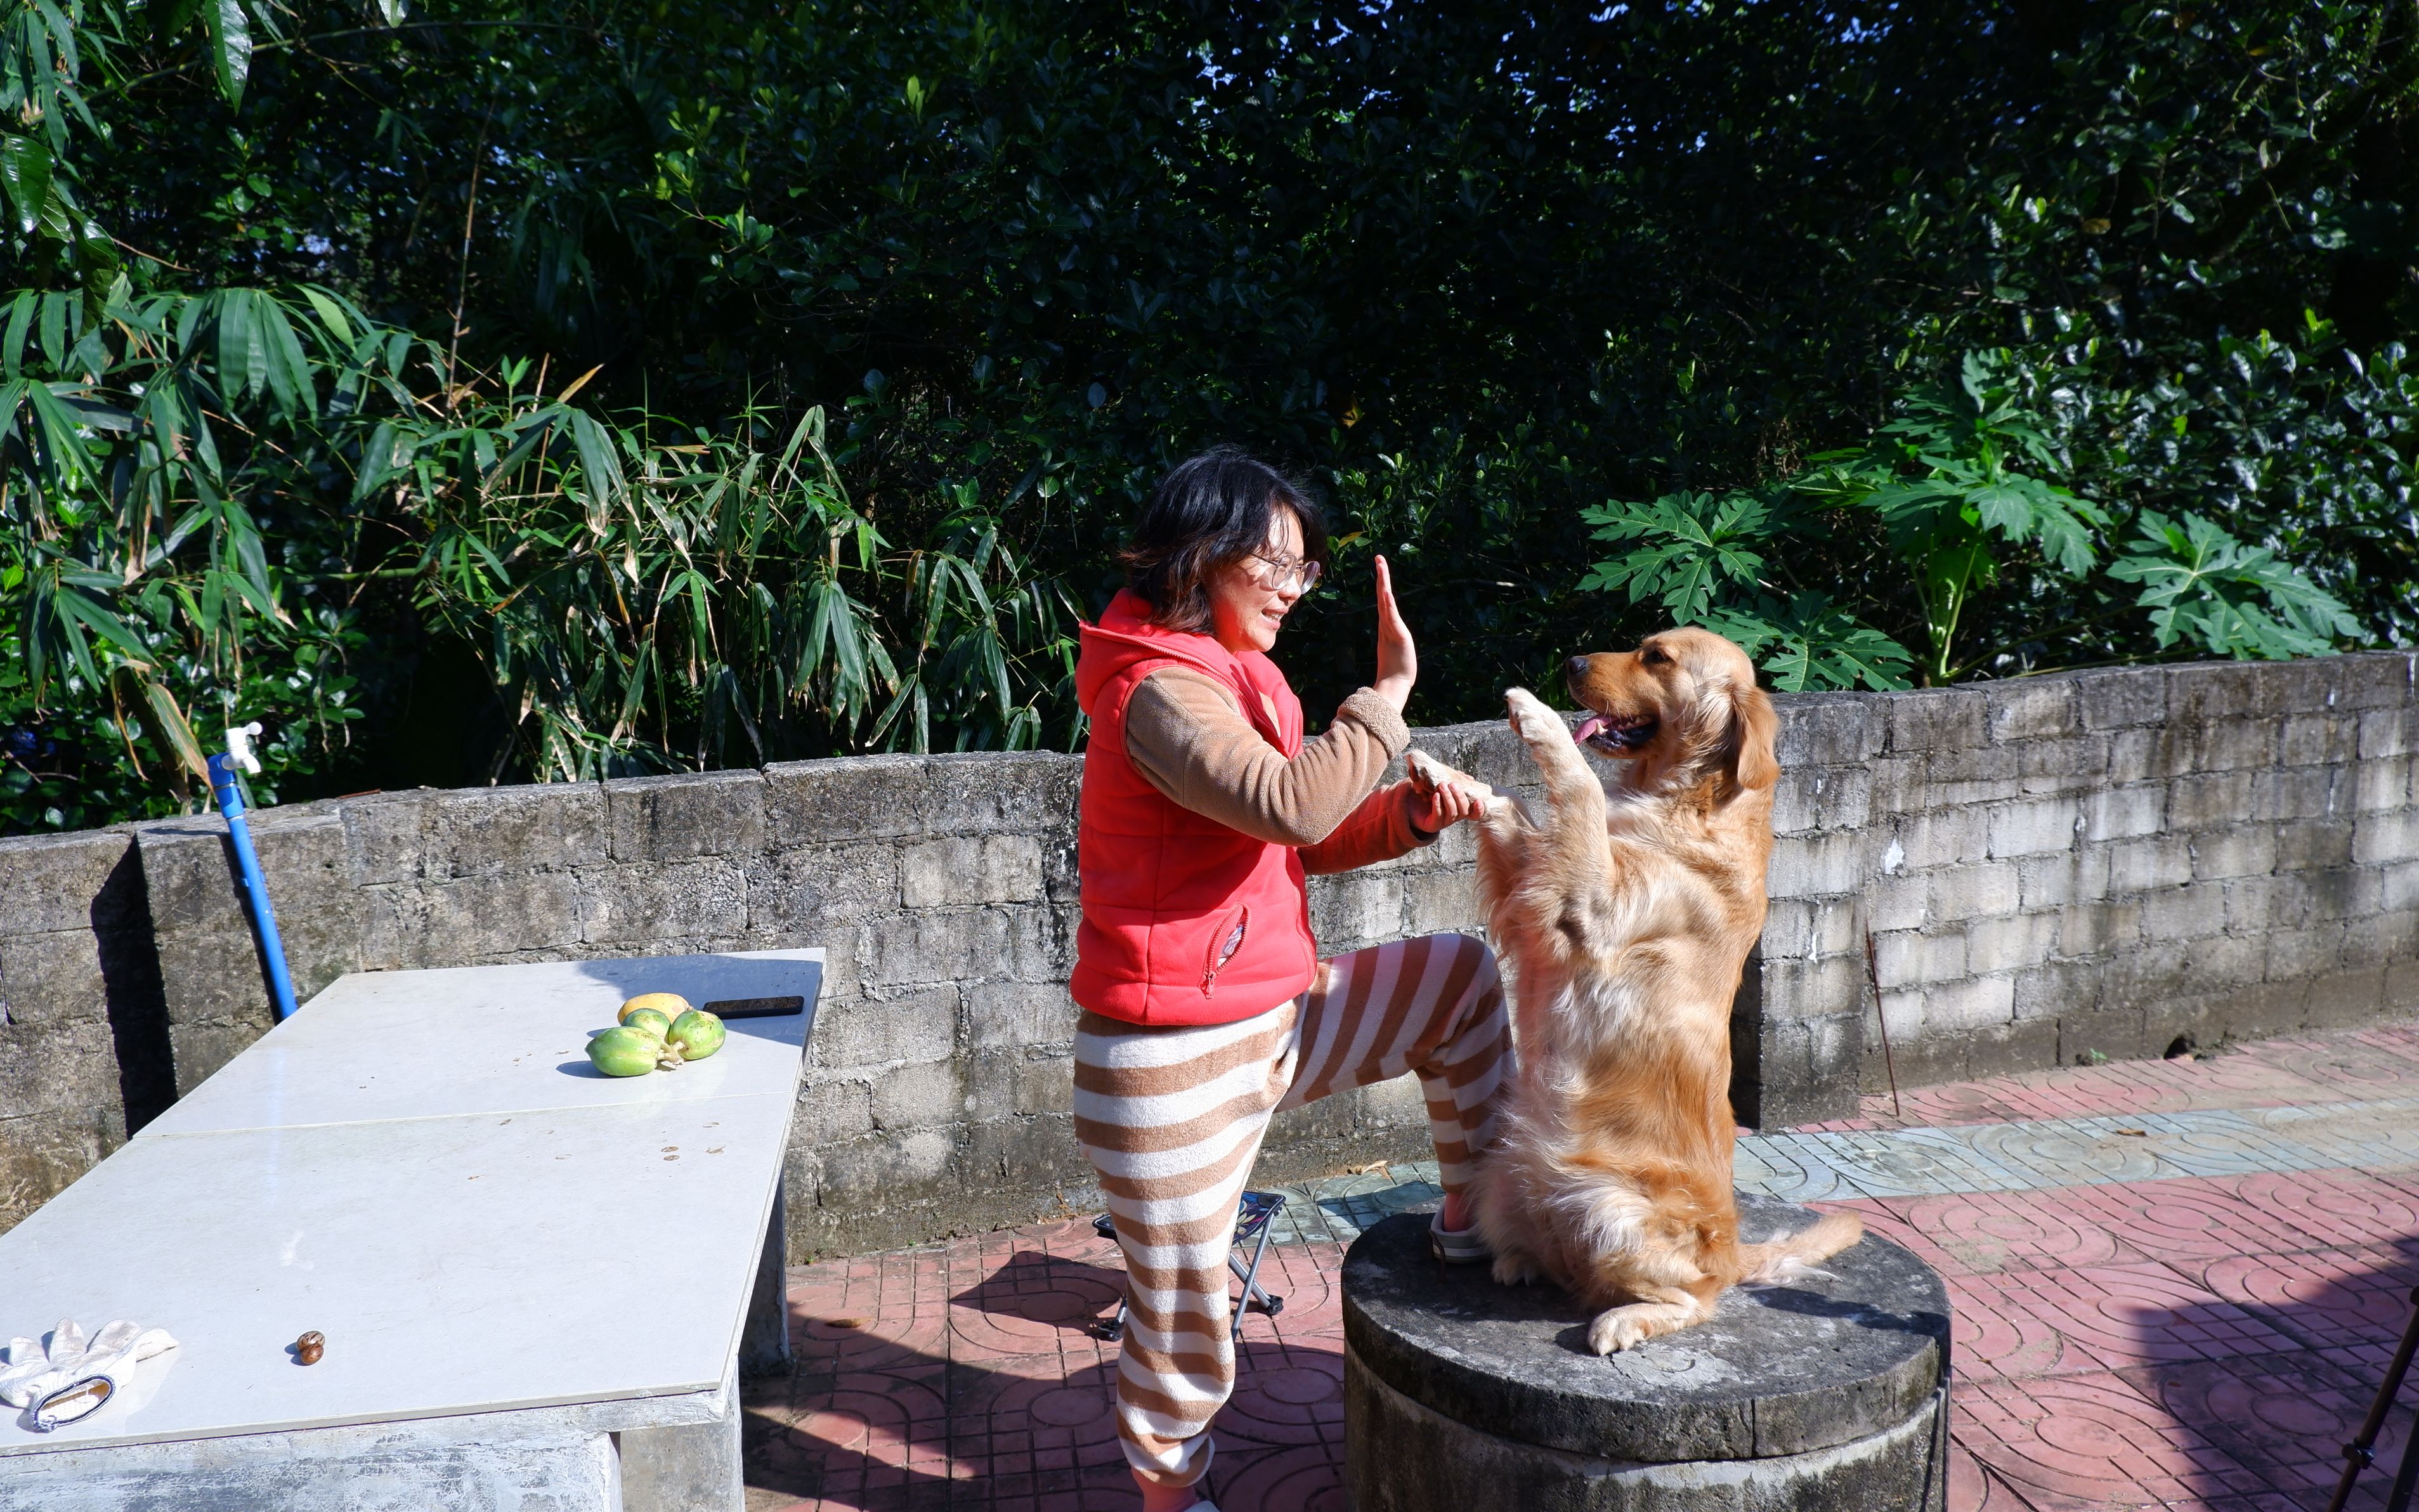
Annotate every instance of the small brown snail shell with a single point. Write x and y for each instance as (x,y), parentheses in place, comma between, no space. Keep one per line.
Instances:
(308,1349)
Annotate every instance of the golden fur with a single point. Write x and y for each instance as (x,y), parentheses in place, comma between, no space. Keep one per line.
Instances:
(1624,913)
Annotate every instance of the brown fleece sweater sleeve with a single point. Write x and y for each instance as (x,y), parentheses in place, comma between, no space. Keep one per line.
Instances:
(1379,830)
(1185,733)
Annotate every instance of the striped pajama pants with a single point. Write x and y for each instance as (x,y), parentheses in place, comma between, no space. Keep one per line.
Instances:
(1172,1118)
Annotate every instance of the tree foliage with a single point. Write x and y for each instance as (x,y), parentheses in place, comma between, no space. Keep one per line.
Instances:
(1475,269)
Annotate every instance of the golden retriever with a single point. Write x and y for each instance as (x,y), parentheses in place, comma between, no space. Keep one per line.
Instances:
(1624,913)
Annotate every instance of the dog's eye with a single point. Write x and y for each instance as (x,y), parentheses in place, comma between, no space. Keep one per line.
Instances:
(1653,656)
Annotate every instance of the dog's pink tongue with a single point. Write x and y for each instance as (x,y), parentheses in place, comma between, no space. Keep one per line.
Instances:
(1588,726)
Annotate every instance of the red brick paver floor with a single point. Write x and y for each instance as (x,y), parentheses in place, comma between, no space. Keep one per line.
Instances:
(2192,1342)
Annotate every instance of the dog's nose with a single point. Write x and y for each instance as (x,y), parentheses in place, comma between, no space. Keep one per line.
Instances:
(1576,666)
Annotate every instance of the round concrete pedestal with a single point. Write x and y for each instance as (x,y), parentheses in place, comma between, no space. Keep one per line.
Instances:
(1462,1396)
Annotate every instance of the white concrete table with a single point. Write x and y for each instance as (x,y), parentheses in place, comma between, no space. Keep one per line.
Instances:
(538,1285)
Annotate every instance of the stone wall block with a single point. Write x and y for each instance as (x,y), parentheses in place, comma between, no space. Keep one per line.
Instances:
(49,981)
(2010,943)
(687,815)
(1901,900)
(2384,838)
(1963,892)
(2242,851)
(868,1032)
(884,1169)
(2214,693)
(2153,861)
(2055,881)
(2294,793)
(1805,867)
(816,887)
(1952,1007)
(983,792)
(510,829)
(2225,961)
(2388,732)
(2152,751)
(2193,911)
(1439,903)
(830,1111)
(386,837)
(967,870)
(2091,929)
(847,798)
(2376,680)
(475,918)
(701,899)
(959,946)
(2031,709)
(2303,954)
(1796,989)
(2055,989)
(2123,812)
(54,882)
(2257,905)
(1355,909)
(2381,785)
(1939,837)
(2079,764)
(927,1094)
(2345,892)
(1042,943)
(2210,801)
(2320,739)
(1911,959)
(1930,720)
(2233,745)
(1826,729)
(2121,698)
(190,875)
(2034,826)
(1001,1015)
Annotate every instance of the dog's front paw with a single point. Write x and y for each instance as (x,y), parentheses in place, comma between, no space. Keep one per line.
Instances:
(1513,1269)
(1621,1328)
(1532,720)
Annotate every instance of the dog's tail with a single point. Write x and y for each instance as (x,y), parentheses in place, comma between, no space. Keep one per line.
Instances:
(1780,1259)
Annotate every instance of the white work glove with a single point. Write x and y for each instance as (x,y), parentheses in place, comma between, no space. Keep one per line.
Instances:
(34,1373)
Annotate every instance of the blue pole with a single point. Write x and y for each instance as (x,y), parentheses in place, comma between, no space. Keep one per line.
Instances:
(263,918)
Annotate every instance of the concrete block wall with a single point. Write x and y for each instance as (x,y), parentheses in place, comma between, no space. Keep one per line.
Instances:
(2119,863)
(83,1048)
(2086,864)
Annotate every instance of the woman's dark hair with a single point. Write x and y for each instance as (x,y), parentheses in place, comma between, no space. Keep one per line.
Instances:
(1208,511)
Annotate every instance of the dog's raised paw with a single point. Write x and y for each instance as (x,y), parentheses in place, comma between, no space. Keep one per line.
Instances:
(1532,720)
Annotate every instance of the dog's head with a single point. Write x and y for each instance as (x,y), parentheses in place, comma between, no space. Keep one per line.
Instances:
(1683,706)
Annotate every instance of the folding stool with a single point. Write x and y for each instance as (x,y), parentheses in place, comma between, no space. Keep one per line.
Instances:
(1251,1228)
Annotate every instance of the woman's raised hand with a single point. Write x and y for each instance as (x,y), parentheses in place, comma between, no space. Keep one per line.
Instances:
(1398,660)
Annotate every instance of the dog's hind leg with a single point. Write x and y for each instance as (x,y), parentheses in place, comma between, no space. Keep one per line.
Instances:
(1659,1310)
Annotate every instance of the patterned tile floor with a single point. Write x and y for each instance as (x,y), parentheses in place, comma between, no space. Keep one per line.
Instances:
(2177,1284)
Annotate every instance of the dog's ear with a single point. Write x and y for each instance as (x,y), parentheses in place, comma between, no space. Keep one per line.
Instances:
(1754,728)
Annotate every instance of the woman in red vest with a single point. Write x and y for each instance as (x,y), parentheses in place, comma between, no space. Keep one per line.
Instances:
(1206,1005)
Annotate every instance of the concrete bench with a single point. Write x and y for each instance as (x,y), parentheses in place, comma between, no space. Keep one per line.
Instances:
(1827,1395)
(538,1286)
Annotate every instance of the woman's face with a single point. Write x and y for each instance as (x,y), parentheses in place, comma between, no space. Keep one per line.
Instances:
(1249,598)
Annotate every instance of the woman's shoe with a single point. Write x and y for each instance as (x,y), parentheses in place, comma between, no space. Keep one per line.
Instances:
(1457,1246)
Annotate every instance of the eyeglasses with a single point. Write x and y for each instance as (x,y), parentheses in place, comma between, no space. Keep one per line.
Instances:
(1279,574)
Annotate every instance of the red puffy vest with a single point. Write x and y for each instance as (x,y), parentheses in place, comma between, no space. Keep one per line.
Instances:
(1185,920)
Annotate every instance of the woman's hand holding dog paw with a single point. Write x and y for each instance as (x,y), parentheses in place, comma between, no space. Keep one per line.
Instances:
(1444,797)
